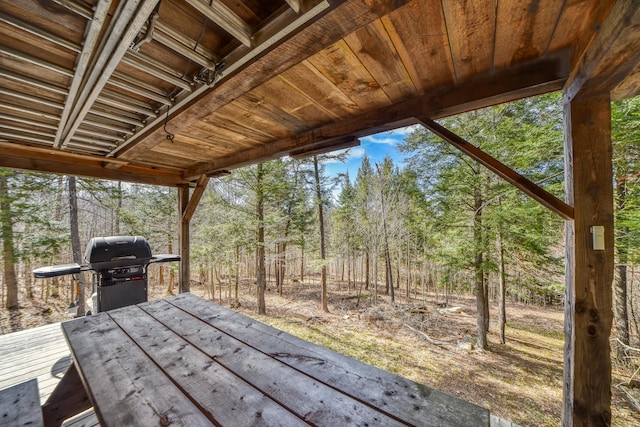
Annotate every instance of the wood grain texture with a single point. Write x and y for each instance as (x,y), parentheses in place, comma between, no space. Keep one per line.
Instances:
(214,389)
(319,89)
(523,30)
(611,56)
(376,52)
(494,88)
(191,207)
(588,272)
(471,29)
(116,371)
(419,34)
(292,101)
(343,68)
(40,353)
(67,399)
(312,402)
(328,29)
(20,405)
(414,403)
(577,24)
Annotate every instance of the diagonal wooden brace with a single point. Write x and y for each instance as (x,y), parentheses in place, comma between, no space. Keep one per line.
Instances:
(529,188)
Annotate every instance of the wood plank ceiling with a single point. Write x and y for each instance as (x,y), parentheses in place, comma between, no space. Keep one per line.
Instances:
(164,91)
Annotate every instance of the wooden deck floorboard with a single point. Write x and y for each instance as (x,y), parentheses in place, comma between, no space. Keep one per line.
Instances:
(40,353)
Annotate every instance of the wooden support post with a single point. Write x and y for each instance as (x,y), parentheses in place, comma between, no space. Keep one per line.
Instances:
(183,202)
(589,271)
(187,207)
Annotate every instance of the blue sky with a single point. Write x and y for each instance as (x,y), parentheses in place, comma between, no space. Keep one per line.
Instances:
(376,146)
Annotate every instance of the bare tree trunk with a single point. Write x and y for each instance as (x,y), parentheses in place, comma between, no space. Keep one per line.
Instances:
(237,268)
(479,272)
(502,290)
(75,241)
(28,280)
(620,286)
(8,251)
(172,275)
(118,208)
(387,255)
(408,265)
(302,263)
(260,255)
(323,297)
(367,278)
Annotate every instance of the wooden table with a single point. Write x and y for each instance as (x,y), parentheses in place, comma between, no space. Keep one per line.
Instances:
(187,361)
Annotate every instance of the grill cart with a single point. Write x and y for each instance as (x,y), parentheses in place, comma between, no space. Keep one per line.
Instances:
(119,268)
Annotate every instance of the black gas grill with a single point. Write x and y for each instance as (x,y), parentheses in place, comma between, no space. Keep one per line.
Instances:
(119,268)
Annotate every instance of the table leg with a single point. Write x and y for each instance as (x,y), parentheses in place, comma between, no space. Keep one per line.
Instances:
(68,398)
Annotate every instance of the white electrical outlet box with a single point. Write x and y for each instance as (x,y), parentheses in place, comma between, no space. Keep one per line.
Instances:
(597,233)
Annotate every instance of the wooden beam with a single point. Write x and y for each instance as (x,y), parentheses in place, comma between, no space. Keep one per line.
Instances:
(529,188)
(612,55)
(133,14)
(588,271)
(295,5)
(219,13)
(91,38)
(325,147)
(201,185)
(183,235)
(17,156)
(494,88)
(327,27)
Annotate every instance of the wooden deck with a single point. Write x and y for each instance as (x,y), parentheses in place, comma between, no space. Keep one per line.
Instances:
(40,353)
(43,353)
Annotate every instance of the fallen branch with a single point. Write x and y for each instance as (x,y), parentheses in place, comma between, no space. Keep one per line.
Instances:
(425,336)
(629,397)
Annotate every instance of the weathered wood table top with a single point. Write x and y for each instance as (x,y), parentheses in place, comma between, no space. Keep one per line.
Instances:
(187,361)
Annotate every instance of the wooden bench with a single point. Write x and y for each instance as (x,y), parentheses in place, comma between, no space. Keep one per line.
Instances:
(20,405)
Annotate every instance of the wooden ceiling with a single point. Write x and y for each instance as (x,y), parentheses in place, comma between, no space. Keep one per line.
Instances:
(165,91)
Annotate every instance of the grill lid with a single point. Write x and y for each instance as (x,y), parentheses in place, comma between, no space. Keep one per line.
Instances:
(107,252)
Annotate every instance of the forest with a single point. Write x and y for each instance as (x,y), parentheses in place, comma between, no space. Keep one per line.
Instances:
(422,231)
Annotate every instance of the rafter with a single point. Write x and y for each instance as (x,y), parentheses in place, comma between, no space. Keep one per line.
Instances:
(93,32)
(345,17)
(219,13)
(495,88)
(133,14)
(296,5)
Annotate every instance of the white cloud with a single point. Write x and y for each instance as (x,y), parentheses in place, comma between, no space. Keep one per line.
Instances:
(380,139)
(353,153)
(403,132)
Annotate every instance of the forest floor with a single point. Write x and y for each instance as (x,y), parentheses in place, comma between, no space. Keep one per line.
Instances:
(520,381)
